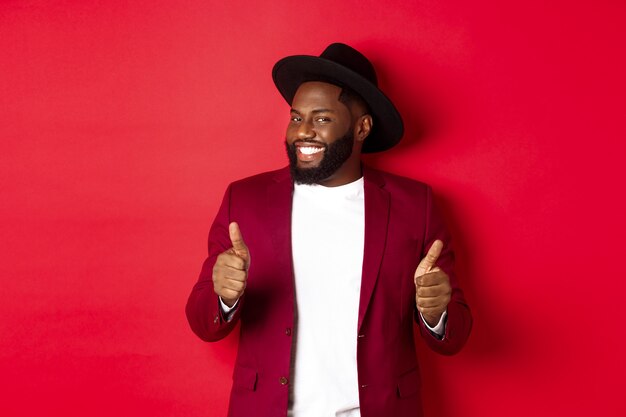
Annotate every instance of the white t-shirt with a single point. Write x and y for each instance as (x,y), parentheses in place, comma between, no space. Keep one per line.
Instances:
(327,232)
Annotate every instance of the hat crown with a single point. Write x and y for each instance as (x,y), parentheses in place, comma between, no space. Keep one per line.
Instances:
(352,59)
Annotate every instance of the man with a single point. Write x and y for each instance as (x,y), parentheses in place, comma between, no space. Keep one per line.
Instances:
(328,264)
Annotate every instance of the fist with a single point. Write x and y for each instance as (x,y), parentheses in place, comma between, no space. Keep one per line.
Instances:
(230,272)
(432,286)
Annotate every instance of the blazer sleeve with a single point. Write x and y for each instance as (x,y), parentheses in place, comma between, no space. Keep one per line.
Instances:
(459,319)
(203,309)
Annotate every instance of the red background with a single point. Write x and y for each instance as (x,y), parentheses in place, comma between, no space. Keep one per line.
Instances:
(121,123)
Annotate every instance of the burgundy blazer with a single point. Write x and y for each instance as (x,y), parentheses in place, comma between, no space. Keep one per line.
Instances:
(400,225)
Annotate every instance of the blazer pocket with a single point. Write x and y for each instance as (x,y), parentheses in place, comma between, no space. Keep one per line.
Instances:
(408,383)
(244,378)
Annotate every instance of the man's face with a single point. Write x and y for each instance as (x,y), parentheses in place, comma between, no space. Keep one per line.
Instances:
(320,133)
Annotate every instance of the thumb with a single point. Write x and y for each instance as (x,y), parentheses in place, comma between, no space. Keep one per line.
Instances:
(236,240)
(430,259)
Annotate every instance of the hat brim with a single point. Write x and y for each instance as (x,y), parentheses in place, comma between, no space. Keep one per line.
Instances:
(290,72)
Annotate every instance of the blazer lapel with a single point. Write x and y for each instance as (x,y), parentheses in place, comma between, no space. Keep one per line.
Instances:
(278,206)
(376,221)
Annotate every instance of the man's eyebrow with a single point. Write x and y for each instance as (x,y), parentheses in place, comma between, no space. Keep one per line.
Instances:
(315,111)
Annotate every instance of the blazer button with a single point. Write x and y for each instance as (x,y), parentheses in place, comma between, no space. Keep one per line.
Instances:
(216,319)
(283,380)
(288,331)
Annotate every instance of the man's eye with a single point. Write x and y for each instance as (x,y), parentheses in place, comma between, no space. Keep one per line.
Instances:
(323,119)
(295,119)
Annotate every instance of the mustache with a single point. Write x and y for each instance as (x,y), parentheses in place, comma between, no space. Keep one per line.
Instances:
(309,142)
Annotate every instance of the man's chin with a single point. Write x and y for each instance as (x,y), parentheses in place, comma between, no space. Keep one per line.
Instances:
(303,166)
(308,176)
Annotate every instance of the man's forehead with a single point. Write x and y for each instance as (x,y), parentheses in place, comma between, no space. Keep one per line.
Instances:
(317,94)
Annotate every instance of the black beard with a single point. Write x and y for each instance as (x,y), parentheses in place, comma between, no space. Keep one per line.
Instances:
(334,157)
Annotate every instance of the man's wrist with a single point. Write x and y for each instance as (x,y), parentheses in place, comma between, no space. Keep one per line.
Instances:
(227,311)
(440,328)
(228,303)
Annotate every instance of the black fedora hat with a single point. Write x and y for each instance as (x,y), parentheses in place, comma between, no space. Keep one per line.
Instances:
(344,66)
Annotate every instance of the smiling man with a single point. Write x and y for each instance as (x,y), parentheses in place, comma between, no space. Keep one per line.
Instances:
(320,137)
(340,263)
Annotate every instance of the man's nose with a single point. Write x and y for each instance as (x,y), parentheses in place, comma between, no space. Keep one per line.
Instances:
(305,130)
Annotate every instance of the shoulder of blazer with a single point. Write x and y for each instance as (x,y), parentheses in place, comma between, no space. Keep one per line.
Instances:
(259,181)
(385,179)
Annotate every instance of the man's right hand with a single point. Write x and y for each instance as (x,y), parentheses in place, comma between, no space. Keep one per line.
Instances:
(230,272)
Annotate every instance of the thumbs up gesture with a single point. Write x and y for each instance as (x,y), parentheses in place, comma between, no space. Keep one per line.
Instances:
(432,286)
(230,272)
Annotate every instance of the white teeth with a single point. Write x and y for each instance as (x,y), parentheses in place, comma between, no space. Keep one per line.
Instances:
(310,150)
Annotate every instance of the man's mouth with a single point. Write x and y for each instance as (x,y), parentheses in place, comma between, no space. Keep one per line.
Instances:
(308,152)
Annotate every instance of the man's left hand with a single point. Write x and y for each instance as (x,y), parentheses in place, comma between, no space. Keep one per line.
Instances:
(432,286)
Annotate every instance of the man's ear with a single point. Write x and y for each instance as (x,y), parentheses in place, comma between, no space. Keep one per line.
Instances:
(363,127)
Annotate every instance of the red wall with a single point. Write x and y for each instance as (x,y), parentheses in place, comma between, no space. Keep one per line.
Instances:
(121,123)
